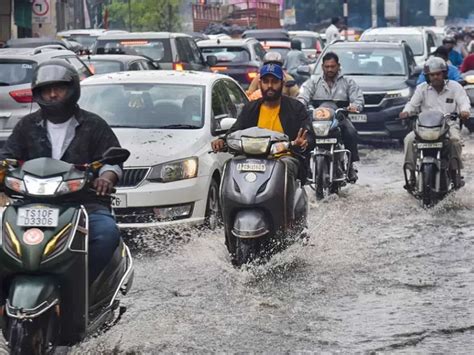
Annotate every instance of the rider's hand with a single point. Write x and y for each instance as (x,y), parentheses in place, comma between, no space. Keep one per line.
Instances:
(104,184)
(301,140)
(352,108)
(464,115)
(404,115)
(218,145)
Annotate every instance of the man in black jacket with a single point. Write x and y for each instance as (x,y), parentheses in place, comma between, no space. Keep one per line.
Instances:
(281,114)
(63,131)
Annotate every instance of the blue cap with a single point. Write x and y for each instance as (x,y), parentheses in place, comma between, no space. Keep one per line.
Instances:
(272,69)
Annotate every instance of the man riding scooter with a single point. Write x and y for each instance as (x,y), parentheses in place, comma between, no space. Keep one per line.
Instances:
(436,94)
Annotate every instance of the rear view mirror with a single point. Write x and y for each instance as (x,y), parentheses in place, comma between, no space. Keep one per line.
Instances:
(115,155)
(227,123)
(211,60)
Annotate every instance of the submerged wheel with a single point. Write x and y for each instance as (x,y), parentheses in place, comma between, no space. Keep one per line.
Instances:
(213,213)
(246,250)
(428,178)
(320,178)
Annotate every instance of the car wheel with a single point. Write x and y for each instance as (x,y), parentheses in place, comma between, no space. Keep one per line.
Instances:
(213,213)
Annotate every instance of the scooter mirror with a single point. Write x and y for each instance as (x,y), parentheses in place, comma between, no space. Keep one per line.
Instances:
(227,123)
(115,155)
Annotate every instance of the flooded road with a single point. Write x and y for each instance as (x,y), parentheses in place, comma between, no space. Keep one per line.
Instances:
(380,274)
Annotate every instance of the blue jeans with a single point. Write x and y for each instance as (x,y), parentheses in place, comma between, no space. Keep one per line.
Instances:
(104,237)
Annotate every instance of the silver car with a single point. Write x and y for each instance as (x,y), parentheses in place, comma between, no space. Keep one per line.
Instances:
(16,70)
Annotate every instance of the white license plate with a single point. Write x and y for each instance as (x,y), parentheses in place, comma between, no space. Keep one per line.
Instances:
(429,145)
(358,117)
(326,141)
(119,201)
(251,167)
(37,217)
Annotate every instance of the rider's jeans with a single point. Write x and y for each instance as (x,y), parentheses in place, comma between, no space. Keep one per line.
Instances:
(453,148)
(292,165)
(350,137)
(104,237)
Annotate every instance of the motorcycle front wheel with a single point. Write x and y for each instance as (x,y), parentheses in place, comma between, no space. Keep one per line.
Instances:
(321,173)
(246,250)
(428,179)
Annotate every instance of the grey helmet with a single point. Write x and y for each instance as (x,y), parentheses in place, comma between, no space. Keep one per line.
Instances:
(435,65)
(273,58)
(56,71)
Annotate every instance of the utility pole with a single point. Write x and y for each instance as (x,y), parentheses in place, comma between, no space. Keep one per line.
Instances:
(346,16)
(130,15)
(373,6)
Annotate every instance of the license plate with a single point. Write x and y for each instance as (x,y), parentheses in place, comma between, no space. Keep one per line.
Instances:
(37,217)
(358,117)
(429,145)
(251,167)
(326,141)
(119,201)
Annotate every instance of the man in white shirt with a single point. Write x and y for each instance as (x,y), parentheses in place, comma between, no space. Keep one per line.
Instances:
(332,32)
(437,94)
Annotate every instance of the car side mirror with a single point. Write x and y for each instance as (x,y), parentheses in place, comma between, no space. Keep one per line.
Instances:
(304,70)
(433,49)
(211,60)
(115,155)
(412,81)
(227,123)
(417,71)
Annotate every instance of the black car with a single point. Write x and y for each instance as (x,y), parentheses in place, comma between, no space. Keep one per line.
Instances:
(239,58)
(386,72)
(171,51)
(268,34)
(111,63)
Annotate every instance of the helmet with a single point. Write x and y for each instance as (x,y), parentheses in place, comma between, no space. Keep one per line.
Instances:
(273,58)
(435,65)
(296,44)
(56,72)
(449,39)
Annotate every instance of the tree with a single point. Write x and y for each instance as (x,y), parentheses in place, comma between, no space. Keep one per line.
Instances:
(146,15)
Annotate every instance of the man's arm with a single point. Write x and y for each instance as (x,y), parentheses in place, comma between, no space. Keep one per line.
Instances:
(454,74)
(463,103)
(303,116)
(413,106)
(13,148)
(307,91)
(356,97)
(421,79)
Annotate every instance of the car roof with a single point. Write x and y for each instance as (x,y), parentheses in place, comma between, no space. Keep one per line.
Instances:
(143,35)
(31,53)
(156,76)
(368,44)
(124,58)
(277,34)
(394,30)
(225,42)
(304,33)
(276,44)
(33,42)
(91,32)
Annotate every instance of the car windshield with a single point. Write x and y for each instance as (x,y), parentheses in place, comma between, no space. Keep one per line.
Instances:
(86,41)
(365,61)
(282,51)
(157,49)
(16,73)
(105,66)
(166,106)
(227,54)
(307,42)
(414,41)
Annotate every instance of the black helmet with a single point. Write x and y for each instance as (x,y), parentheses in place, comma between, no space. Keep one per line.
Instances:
(296,44)
(273,58)
(435,65)
(449,39)
(56,72)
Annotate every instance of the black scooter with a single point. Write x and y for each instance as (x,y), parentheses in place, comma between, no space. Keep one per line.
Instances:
(258,217)
(46,297)
(436,174)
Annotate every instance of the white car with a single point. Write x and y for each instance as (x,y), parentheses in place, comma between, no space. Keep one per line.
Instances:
(421,40)
(167,119)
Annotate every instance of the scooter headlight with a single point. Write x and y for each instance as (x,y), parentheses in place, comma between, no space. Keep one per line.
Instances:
(255,146)
(42,187)
(429,133)
(321,128)
(15,184)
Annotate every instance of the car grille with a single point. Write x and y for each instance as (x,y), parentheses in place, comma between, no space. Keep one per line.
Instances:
(373,99)
(132,177)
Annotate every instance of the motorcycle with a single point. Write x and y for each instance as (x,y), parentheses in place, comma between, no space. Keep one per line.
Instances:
(47,299)
(254,196)
(329,160)
(435,173)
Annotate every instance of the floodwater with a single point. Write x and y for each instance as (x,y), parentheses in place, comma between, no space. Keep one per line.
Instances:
(379,274)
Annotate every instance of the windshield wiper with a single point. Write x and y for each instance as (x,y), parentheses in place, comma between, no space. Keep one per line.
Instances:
(178,126)
(4,83)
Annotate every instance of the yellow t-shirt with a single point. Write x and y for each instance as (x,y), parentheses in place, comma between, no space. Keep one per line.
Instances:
(269,118)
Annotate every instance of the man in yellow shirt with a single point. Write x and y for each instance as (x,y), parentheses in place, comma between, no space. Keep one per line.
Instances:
(279,113)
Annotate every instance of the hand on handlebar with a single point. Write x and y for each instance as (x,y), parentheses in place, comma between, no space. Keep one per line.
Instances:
(404,115)
(464,115)
(353,109)
(218,145)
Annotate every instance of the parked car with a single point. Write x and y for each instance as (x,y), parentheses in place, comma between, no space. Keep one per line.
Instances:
(16,70)
(167,119)
(387,73)
(311,42)
(439,33)
(421,40)
(239,58)
(37,42)
(111,63)
(86,37)
(176,51)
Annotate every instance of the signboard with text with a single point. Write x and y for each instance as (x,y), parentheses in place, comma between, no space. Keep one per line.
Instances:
(41,11)
(439,8)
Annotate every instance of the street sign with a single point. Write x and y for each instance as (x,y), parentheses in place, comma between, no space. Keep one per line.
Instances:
(439,8)
(290,16)
(41,11)
(392,9)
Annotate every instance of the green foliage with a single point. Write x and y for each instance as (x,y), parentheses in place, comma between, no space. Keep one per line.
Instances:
(146,15)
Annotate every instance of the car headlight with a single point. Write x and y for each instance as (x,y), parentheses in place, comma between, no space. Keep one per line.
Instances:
(255,145)
(42,187)
(398,93)
(174,170)
(321,128)
(15,184)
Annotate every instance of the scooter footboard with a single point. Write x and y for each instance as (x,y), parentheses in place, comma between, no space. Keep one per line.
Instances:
(30,296)
(250,224)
